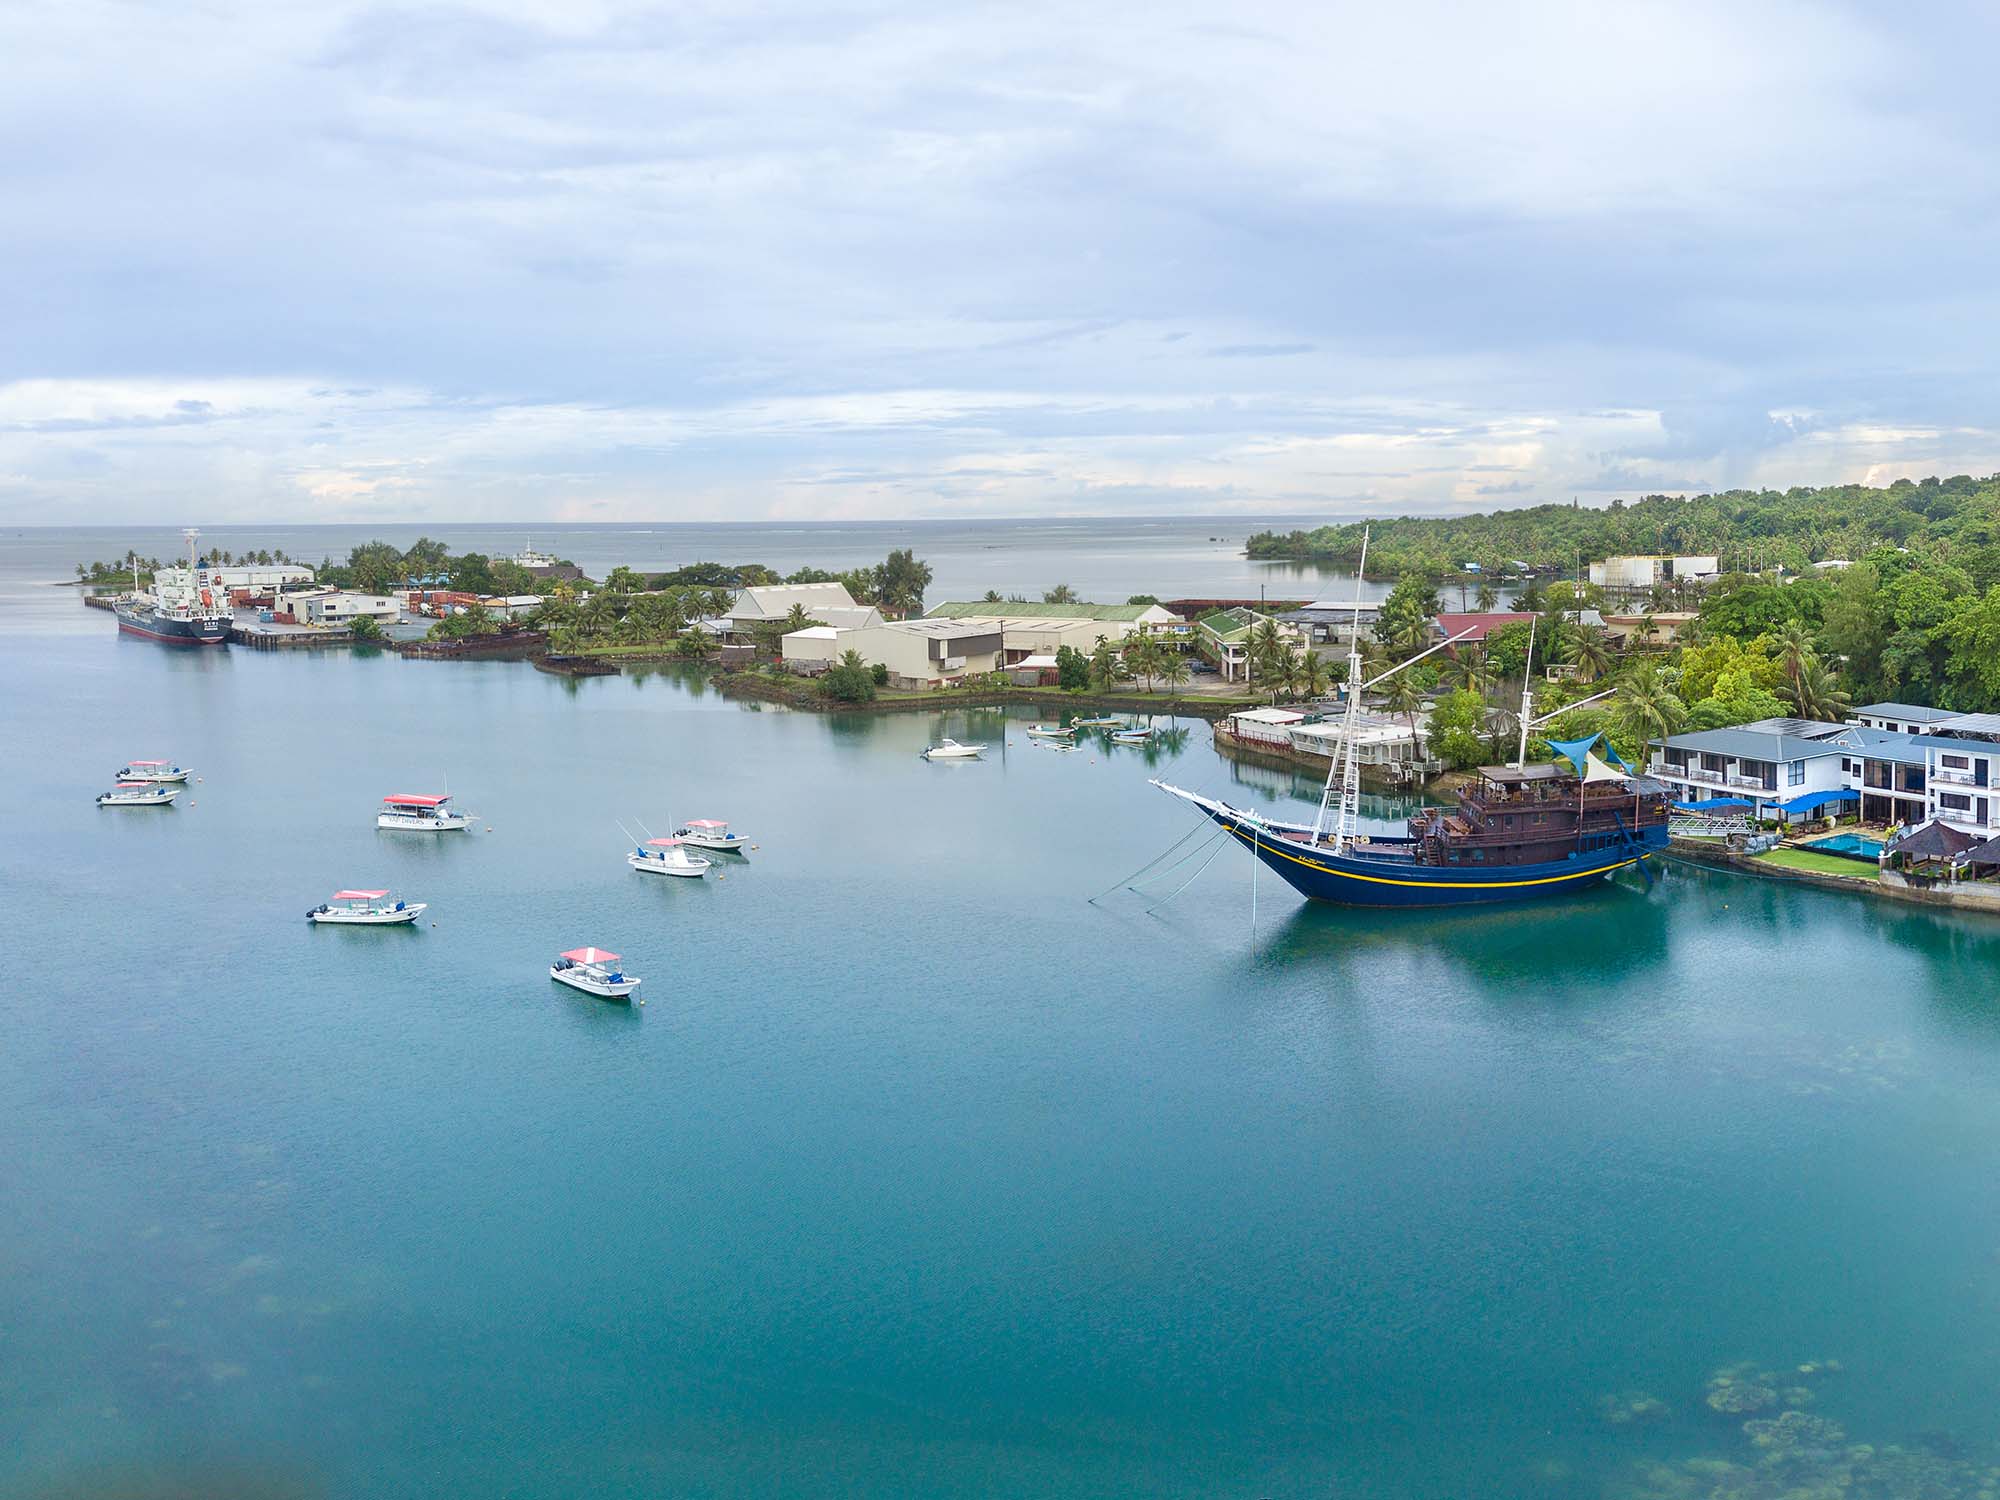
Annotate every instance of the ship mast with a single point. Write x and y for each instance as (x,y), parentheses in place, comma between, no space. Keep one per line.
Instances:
(1527,676)
(1343,760)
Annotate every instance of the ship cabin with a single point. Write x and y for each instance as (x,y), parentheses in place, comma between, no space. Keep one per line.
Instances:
(1523,815)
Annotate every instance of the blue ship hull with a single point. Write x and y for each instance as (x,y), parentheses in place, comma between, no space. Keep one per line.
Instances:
(1384,880)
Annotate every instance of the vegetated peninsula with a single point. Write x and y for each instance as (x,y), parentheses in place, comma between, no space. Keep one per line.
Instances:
(1958,518)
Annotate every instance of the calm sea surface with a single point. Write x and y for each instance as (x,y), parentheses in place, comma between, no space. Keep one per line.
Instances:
(918,1175)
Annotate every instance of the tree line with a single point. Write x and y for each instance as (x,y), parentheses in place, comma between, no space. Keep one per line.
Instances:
(1751,530)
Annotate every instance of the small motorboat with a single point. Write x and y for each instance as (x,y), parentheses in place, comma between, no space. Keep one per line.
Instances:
(151,770)
(1101,721)
(138,794)
(1136,734)
(668,857)
(1050,732)
(953,750)
(711,833)
(427,814)
(365,909)
(594,971)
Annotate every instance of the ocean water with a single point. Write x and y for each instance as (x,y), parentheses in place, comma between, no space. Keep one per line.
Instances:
(919,1174)
(1103,560)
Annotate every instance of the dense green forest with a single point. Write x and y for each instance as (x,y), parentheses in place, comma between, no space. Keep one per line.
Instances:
(1956,519)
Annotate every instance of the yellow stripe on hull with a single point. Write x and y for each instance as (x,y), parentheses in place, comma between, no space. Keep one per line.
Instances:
(1259,845)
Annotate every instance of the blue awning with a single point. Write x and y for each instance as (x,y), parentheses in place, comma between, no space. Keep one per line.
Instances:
(1710,804)
(1812,800)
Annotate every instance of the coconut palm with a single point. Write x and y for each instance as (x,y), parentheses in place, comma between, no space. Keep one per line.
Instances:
(1588,651)
(1174,667)
(1471,672)
(1486,597)
(1142,658)
(1400,695)
(1645,709)
(1793,648)
(1313,675)
(1815,694)
(1105,666)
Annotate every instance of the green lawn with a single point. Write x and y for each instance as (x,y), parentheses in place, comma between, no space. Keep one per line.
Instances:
(1820,864)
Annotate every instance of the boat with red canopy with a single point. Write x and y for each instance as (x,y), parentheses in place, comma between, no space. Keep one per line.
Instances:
(595,971)
(138,794)
(151,770)
(428,813)
(365,909)
(711,833)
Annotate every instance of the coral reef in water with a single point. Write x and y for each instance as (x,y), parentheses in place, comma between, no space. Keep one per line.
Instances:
(1789,1453)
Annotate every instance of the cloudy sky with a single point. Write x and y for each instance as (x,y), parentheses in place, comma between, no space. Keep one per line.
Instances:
(899,259)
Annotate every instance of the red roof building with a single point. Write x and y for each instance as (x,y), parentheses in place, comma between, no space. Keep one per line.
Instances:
(1480,625)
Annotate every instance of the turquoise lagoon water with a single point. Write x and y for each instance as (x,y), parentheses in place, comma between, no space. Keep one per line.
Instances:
(918,1174)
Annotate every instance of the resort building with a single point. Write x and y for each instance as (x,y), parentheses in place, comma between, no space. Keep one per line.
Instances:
(1899,718)
(1644,572)
(1326,622)
(1782,768)
(917,653)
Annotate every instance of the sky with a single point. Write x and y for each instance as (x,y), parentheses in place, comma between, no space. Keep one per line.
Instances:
(599,262)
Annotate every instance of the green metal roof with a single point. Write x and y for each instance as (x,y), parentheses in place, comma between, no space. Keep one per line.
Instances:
(977,609)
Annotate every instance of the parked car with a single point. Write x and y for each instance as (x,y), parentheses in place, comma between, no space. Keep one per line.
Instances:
(1201,668)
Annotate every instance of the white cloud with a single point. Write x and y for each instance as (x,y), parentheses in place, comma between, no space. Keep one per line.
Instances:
(513,259)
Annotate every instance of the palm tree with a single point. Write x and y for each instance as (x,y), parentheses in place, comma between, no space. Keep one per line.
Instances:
(696,645)
(1142,657)
(1472,672)
(1105,665)
(1313,679)
(797,619)
(1645,709)
(1402,696)
(1815,694)
(1267,649)
(1486,598)
(1589,652)
(1062,593)
(1793,648)
(1174,667)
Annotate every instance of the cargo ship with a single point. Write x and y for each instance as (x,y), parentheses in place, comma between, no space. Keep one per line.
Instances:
(188,606)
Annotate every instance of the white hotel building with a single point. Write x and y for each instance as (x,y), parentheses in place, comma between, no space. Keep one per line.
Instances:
(1900,763)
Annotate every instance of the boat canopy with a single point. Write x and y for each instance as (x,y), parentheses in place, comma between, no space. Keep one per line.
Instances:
(145,763)
(1577,752)
(359,895)
(663,843)
(591,956)
(1712,804)
(135,786)
(402,799)
(706,823)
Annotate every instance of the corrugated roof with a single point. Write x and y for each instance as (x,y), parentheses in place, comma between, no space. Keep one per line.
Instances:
(960,609)
(1916,713)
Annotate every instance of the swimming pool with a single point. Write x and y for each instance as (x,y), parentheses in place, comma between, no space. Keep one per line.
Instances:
(1853,845)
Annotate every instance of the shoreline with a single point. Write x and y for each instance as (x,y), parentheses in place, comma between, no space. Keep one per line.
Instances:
(1886,885)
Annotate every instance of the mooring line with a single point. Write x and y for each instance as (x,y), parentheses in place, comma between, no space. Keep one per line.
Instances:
(1188,882)
(1149,863)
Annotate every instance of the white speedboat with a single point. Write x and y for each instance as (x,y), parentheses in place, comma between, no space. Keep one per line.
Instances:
(1100,721)
(138,794)
(594,971)
(953,750)
(427,814)
(157,771)
(365,909)
(711,833)
(1051,732)
(1138,734)
(667,857)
